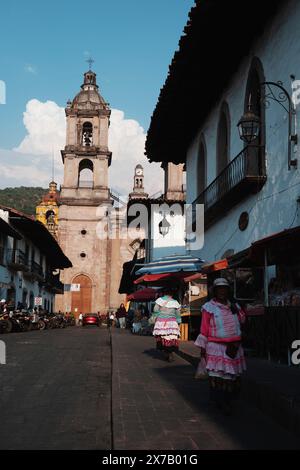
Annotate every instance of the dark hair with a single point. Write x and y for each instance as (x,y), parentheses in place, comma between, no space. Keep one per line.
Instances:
(168,290)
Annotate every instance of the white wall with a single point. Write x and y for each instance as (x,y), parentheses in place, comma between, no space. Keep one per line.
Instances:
(274,208)
(174,241)
(17,279)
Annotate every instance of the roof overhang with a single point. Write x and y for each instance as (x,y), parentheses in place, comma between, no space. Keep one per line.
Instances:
(217,37)
(6,229)
(35,231)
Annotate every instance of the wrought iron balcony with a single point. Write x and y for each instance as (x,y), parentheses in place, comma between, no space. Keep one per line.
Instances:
(37,269)
(53,283)
(17,259)
(244,175)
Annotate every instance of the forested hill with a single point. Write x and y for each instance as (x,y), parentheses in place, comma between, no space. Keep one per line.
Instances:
(23,198)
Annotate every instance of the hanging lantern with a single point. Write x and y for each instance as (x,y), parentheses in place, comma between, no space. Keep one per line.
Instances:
(249,126)
(164,226)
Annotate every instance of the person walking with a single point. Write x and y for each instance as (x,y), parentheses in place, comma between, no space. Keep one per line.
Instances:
(121,316)
(166,328)
(220,344)
(112,319)
(136,324)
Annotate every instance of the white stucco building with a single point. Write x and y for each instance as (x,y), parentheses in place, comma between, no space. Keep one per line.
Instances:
(30,261)
(248,193)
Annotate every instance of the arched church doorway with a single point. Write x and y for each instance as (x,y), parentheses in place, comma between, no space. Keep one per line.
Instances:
(82,299)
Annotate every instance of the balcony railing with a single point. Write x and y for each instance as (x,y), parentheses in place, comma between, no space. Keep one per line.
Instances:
(36,269)
(17,259)
(52,282)
(244,175)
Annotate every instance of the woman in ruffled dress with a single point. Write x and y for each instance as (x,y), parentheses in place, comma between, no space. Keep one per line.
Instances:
(220,344)
(166,328)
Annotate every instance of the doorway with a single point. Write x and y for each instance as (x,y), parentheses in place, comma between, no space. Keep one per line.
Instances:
(82,300)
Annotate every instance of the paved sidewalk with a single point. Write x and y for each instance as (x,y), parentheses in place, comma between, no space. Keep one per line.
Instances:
(273,388)
(157,405)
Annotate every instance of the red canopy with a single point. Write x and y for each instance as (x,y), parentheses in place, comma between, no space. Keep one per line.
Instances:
(144,294)
(160,279)
(194,277)
(215,266)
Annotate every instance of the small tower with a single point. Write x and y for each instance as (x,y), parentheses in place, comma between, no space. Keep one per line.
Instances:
(47,210)
(138,184)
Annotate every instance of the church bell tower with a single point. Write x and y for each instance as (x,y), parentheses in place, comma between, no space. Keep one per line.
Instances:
(86,156)
(86,159)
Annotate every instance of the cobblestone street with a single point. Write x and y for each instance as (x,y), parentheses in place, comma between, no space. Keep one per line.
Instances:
(55,390)
(158,405)
(56,394)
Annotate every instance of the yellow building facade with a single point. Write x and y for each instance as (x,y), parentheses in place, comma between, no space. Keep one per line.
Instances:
(47,210)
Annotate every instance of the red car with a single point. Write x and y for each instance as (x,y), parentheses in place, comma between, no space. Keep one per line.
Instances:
(90,319)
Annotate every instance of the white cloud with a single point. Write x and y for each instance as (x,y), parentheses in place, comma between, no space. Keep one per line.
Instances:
(127,142)
(46,127)
(30,69)
(23,170)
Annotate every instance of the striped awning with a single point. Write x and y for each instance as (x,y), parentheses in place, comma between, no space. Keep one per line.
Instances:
(172,264)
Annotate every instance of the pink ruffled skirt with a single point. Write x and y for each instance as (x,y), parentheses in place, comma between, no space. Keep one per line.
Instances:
(218,364)
(167,333)
(166,327)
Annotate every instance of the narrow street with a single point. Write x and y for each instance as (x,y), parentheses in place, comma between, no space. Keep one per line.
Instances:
(56,394)
(158,405)
(55,390)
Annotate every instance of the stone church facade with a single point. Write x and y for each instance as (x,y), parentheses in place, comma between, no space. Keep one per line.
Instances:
(85,202)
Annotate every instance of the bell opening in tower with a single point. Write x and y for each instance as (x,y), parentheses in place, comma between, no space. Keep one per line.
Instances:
(87,134)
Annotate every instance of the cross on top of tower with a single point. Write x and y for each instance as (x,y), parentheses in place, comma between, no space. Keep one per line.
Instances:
(90,61)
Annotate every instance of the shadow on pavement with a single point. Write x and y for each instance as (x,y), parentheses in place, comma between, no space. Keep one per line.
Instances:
(248,428)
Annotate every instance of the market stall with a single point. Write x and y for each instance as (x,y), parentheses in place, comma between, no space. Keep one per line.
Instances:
(196,295)
(172,271)
(265,280)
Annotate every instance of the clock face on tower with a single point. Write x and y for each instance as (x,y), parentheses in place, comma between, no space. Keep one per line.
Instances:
(139,172)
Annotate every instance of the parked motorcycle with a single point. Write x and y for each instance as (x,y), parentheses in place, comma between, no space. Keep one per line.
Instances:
(5,323)
(24,320)
(15,321)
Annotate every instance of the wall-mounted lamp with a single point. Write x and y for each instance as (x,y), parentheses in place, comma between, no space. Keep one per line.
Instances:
(284,99)
(164,226)
(249,125)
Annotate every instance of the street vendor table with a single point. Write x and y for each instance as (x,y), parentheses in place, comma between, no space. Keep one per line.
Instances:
(190,325)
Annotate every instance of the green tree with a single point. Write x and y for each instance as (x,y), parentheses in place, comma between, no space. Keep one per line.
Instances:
(24,198)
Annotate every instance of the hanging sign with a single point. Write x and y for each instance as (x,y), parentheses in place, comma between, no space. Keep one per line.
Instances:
(75,287)
(38,301)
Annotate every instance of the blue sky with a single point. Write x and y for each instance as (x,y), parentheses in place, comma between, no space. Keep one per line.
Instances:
(43,47)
